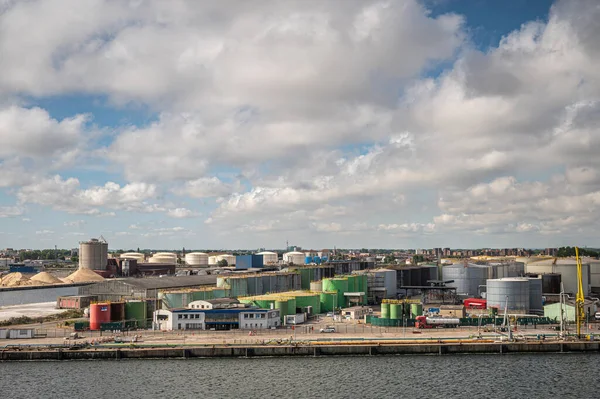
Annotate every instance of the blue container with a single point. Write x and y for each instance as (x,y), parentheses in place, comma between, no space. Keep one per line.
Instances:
(22,269)
(317,260)
(324,259)
(249,261)
(308,260)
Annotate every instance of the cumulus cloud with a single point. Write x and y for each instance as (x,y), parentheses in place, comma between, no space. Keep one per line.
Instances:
(67,195)
(181,213)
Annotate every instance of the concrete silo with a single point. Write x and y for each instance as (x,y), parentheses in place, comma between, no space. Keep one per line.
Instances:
(93,254)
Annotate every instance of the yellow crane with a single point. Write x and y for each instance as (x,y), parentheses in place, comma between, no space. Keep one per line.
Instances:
(580,298)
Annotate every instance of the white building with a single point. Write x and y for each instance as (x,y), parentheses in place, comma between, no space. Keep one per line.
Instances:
(179,319)
(259,319)
(219,303)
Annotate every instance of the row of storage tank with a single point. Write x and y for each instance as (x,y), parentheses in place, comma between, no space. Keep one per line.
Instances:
(202,259)
(398,311)
(138,313)
(470,278)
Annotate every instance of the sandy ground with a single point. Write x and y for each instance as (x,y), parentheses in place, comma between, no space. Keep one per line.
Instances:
(29,310)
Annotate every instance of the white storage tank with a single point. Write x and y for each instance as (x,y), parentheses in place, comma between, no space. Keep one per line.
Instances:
(269,258)
(196,259)
(515,288)
(229,258)
(164,257)
(93,254)
(294,257)
(133,255)
(568,273)
(212,260)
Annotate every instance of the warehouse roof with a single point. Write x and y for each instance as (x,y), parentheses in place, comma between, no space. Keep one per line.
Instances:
(170,281)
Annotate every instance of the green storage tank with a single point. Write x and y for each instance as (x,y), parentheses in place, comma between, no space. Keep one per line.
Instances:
(394,310)
(283,308)
(314,301)
(352,283)
(416,309)
(291,302)
(385,310)
(136,310)
(327,299)
(340,285)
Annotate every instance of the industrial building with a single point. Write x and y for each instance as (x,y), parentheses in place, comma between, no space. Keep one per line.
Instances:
(179,319)
(248,261)
(75,301)
(290,303)
(238,285)
(552,311)
(143,288)
(356,312)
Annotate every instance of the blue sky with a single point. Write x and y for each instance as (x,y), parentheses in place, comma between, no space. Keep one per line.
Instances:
(383,124)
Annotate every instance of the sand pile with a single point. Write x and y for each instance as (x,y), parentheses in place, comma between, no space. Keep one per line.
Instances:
(15,280)
(83,276)
(46,278)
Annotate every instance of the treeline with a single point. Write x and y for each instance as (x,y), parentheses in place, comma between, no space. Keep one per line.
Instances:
(570,251)
(46,254)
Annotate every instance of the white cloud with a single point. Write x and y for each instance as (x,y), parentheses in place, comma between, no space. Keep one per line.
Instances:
(11,211)
(66,195)
(181,213)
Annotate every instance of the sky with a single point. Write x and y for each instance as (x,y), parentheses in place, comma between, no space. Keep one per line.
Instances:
(249,124)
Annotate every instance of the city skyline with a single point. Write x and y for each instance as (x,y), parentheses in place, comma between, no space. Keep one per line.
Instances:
(380,124)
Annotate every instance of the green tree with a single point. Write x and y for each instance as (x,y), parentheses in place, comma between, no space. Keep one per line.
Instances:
(389,259)
(222,263)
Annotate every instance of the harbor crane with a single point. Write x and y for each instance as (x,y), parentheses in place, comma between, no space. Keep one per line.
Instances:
(580,298)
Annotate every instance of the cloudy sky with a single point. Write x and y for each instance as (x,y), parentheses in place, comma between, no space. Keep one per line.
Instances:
(243,124)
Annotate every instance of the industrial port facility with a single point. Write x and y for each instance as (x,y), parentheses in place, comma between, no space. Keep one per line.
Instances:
(201,293)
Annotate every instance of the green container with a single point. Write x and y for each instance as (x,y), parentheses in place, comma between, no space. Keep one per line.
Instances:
(416,309)
(395,310)
(81,325)
(385,310)
(327,300)
(136,310)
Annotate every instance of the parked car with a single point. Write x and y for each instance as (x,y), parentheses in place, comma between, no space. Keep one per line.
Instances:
(327,330)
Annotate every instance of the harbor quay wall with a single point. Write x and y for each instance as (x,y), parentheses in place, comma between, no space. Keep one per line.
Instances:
(291,350)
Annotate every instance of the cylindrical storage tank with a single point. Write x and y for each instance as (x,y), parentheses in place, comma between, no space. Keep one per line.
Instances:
(296,258)
(117,311)
(283,308)
(308,260)
(535,296)
(316,286)
(341,286)
(317,260)
(385,310)
(467,278)
(551,283)
(212,260)
(93,254)
(352,284)
(134,255)
(230,259)
(515,288)
(416,309)
(196,259)
(136,310)
(164,257)
(327,299)
(269,258)
(324,259)
(394,308)
(99,313)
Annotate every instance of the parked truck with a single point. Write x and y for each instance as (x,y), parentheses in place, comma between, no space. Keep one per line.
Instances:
(434,322)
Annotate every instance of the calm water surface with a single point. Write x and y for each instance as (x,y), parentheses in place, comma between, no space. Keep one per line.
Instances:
(462,376)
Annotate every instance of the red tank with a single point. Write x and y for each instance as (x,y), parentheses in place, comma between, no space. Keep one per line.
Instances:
(99,313)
